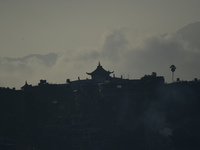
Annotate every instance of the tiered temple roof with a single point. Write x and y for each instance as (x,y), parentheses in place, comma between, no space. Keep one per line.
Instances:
(100,73)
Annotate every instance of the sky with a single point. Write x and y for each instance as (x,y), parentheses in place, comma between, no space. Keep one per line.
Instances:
(130,37)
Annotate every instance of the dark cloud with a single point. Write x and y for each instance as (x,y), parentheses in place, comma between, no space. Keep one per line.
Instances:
(114,44)
(117,53)
(159,52)
(47,59)
(191,33)
(15,71)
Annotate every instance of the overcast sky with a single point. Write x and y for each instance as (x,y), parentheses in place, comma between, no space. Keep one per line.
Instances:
(82,32)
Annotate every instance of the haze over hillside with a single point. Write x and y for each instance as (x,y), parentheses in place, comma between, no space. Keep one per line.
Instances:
(127,54)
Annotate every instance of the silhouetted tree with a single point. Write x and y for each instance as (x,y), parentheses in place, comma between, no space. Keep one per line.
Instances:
(154,74)
(68,81)
(173,68)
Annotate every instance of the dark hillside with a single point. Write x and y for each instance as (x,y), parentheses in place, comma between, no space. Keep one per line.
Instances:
(137,115)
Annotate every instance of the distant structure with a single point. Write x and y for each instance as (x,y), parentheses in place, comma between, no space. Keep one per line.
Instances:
(100,74)
(100,78)
(26,85)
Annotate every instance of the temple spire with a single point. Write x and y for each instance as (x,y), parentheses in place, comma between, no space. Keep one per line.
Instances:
(99,63)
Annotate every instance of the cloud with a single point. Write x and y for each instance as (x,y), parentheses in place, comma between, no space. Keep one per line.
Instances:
(121,52)
(115,43)
(191,33)
(159,52)
(152,53)
(15,71)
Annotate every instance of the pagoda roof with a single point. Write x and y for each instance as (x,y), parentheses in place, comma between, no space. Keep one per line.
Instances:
(99,70)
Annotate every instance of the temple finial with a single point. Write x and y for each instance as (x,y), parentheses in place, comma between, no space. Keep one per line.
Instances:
(99,63)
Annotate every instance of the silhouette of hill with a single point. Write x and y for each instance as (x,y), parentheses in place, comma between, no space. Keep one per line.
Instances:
(191,33)
(118,113)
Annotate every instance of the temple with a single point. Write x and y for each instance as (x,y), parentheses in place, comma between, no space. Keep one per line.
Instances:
(100,74)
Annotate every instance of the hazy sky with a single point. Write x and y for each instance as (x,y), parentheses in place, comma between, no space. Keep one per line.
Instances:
(82,32)
(41,26)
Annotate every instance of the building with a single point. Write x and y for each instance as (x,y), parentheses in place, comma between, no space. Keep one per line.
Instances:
(100,74)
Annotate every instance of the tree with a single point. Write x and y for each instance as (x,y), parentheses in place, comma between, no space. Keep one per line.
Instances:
(173,68)
(68,81)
